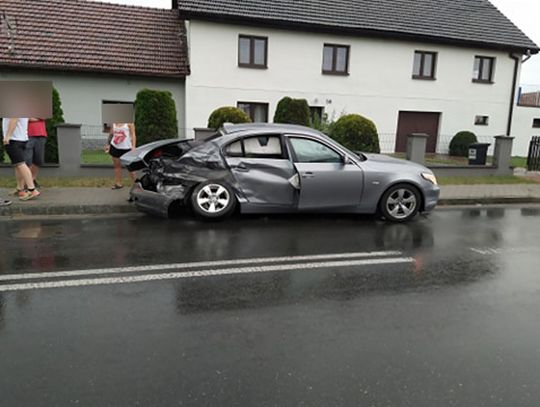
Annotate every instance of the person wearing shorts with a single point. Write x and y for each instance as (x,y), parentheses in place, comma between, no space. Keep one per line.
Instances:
(35,148)
(122,139)
(15,139)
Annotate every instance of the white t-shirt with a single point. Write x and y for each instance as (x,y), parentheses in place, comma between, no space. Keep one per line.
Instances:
(21,129)
(121,136)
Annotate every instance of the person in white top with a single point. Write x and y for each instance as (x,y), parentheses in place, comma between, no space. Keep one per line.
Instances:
(122,138)
(15,138)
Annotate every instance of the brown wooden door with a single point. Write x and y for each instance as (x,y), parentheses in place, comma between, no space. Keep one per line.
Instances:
(417,122)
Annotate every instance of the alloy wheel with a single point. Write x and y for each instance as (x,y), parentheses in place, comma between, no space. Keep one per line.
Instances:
(213,198)
(401,203)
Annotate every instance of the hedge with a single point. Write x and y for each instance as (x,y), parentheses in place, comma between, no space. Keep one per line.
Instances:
(459,145)
(357,133)
(155,116)
(293,111)
(227,114)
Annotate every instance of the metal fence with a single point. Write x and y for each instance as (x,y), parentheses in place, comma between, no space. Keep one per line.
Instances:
(93,137)
(533,159)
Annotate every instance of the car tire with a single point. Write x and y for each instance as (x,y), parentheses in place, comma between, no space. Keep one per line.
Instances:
(213,200)
(400,203)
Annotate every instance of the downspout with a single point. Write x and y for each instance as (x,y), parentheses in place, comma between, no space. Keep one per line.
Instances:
(517,59)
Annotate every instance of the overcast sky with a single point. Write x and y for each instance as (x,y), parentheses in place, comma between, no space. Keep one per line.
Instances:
(524,13)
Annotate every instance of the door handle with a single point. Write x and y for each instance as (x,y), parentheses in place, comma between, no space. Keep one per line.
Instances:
(308,174)
(242,167)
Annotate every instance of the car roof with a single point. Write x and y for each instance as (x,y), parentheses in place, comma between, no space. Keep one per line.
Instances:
(248,128)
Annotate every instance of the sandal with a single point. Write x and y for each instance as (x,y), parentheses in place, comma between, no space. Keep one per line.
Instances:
(115,186)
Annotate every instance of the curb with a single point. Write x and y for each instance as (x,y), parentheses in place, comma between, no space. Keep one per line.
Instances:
(17,210)
(488,201)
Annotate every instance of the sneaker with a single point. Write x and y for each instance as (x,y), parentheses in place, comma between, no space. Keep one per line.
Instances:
(15,192)
(4,202)
(27,196)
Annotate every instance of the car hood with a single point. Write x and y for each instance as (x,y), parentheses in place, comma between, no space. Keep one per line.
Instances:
(387,160)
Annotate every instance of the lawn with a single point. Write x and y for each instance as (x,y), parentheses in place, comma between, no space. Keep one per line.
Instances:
(442,159)
(511,179)
(95,157)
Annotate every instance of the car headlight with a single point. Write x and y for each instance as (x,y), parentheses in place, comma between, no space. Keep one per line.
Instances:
(429,177)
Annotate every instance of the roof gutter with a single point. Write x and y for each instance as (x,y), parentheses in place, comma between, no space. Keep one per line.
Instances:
(517,60)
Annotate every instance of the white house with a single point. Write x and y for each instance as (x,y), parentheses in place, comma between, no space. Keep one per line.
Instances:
(429,66)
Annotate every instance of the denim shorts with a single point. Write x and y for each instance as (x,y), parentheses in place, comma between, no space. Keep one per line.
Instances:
(35,151)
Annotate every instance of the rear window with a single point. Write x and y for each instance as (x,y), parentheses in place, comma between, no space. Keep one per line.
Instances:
(256,147)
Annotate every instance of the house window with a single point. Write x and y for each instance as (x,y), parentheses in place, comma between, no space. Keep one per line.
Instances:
(316,113)
(424,65)
(257,112)
(252,52)
(335,59)
(483,69)
(481,120)
(536,123)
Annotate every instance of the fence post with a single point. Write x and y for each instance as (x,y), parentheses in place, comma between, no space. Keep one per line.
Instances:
(416,147)
(503,155)
(69,148)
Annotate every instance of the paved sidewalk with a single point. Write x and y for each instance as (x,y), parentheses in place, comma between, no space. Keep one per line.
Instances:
(70,201)
(93,201)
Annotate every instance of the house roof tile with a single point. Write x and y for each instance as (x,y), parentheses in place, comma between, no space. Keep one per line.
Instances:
(79,35)
(471,22)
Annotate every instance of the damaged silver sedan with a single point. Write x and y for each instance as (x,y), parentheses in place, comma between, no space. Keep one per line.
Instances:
(272,168)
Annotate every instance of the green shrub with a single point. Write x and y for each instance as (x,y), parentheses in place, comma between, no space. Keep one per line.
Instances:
(459,146)
(51,146)
(227,114)
(293,111)
(357,133)
(155,116)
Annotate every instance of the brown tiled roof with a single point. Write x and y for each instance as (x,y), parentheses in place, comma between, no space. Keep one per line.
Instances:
(87,36)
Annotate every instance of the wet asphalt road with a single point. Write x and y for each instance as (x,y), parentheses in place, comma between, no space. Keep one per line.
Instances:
(446,313)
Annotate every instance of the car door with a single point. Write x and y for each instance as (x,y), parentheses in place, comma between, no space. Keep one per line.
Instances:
(263,170)
(327,178)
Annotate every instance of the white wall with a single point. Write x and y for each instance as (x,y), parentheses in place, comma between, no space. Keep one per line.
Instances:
(82,94)
(522,129)
(379,84)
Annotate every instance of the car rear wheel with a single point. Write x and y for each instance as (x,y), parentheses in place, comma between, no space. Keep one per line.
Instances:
(400,203)
(213,200)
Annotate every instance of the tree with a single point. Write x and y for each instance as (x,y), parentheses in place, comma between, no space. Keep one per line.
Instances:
(293,111)
(357,133)
(227,114)
(155,116)
(51,146)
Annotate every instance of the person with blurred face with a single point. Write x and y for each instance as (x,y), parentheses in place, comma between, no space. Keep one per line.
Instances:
(15,139)
(122,139)
(35,147)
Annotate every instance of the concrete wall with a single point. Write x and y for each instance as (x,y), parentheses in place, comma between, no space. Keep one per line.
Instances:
(523,130)
(380,83)
(82,94)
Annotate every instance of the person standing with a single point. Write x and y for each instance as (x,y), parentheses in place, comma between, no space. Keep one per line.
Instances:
(122,139)
(15,139)
(35,148)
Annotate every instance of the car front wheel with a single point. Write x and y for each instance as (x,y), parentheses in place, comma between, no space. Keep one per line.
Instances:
(400,203)
(213,200)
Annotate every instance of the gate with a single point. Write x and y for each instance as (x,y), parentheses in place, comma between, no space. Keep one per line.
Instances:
(533,159)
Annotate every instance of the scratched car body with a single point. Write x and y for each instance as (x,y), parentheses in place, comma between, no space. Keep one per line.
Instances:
(272,168)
